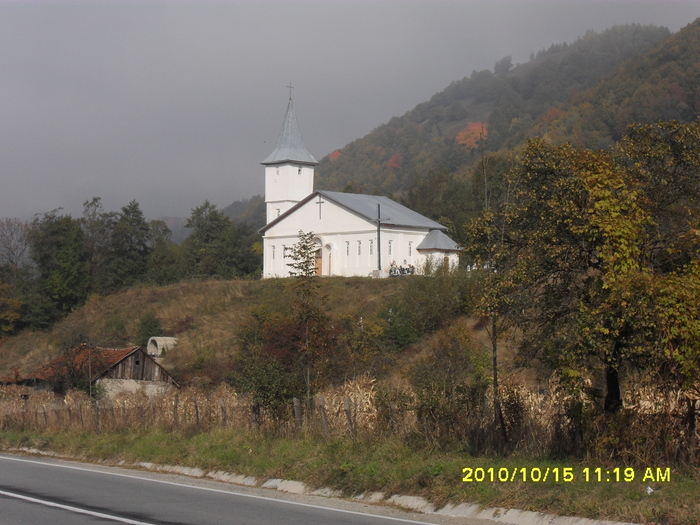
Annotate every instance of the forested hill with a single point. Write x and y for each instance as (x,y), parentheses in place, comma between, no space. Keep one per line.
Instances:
(661,84)
(511,103)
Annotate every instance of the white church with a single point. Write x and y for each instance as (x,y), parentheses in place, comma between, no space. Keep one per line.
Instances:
(357,235)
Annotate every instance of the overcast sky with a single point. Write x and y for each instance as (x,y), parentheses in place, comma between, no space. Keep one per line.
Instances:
(174,102)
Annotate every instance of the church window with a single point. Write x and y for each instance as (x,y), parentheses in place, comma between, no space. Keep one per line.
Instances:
(278,171)
(299,171)
(390,247)
(359,247)
(273,251)
(278,212)
(371,247)
(347,248)
(410,248)
(284,251)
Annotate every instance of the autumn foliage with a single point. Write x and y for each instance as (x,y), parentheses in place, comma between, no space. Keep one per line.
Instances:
(395,162)
(473,135)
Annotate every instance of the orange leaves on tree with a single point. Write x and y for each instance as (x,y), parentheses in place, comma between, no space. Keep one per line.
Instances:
(334,155)
(471,136)
(552,115)
(395,162)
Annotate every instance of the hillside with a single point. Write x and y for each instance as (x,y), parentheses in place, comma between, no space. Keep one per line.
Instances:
(585,92)
(204,315)
(661,84)
(508,103)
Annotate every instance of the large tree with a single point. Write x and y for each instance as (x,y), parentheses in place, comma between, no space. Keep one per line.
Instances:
(97,226)
(130,246)
(593,255)
(218,247)
(58,250)
(14,244)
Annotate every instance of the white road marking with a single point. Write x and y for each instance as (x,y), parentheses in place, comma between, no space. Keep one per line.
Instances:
(209,489)
(70,508)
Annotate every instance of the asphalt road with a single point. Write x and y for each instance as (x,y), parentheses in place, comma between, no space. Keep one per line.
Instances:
(40,491)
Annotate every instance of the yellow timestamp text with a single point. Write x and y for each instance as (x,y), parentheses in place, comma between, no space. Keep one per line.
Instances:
(564,474)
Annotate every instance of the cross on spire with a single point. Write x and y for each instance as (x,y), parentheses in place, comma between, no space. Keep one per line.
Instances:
(290,89)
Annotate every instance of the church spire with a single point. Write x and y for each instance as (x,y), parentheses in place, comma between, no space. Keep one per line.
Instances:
(290,145)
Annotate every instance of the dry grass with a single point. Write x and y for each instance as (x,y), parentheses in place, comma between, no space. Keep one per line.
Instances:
(210,310)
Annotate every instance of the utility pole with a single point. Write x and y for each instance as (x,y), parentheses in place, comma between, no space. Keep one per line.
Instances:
(379,239)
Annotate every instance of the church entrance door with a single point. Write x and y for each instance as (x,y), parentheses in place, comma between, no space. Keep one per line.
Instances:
(319,262)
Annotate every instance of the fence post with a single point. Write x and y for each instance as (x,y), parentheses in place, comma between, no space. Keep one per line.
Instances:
(297,413)
(196,410)
(154,418)
(25,409)
(393,418)
(348,415)
(692,411)
(255,415)
(175,403)
(324,416)
(97,416)
(224,415)
(112,414)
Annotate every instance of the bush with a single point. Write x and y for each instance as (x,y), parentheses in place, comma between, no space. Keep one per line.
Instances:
(450,386)
(149,326)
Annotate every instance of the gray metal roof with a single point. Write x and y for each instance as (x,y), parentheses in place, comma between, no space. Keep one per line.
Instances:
(437,240)
(290,145)
(392,213)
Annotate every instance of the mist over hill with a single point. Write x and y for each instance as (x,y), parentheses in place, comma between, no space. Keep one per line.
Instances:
(586,92)
(507,102)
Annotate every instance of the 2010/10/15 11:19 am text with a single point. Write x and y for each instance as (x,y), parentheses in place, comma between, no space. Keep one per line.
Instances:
(564,474)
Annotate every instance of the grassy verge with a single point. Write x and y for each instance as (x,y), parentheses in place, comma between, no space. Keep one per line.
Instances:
(393,466)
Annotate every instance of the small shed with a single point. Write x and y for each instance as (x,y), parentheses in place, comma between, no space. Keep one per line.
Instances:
(89,363)
(157,346)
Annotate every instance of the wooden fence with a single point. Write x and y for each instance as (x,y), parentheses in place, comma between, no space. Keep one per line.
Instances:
(655,430)
(185,409)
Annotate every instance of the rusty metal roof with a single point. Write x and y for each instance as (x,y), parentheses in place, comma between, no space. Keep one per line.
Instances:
(98,360)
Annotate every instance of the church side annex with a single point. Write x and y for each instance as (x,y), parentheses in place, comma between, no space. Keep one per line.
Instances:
(357,235)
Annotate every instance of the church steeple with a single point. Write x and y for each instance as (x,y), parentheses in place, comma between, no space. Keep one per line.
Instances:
(290,145)
(289,169)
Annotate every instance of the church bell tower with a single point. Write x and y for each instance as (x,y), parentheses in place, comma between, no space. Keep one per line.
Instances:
(289,169)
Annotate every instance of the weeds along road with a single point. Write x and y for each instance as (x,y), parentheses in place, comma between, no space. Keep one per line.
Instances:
(59,492)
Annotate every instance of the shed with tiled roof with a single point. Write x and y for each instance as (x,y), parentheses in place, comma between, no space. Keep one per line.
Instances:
(87,363)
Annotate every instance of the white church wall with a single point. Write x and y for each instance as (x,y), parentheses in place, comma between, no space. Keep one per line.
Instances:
(285,185)
(350,250)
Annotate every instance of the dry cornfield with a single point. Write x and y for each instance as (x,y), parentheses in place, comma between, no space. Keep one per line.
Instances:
(537,423)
